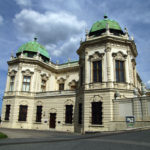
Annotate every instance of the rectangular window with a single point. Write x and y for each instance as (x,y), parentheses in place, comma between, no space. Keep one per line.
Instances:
(26,83)
(12,79)
(120,71)
(61,86)
(23,113)
(97,113)
(80,114)
(7,113)
(39,114)
(97,71)
(43,85)
(69,110)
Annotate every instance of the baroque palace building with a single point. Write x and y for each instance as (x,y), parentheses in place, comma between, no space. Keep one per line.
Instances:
(97,93)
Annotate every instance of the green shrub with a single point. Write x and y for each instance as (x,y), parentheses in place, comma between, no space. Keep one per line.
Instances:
(2,135)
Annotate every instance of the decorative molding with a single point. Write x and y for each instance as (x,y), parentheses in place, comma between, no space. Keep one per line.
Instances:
(44,76)
(12,72)
(119,56)
(52,110)
(24,102)
(96,56)
(61,80)
(69,102)
(39,103)
(108,47)
(27,72)
(72,83)
(96,98)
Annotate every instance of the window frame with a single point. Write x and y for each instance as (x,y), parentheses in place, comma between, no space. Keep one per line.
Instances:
(68,114)
(7,112)
(98,71)
(61,86)
(39,114)
(26,84)
(120,71)
(11,84)
(95,118)
(23,110)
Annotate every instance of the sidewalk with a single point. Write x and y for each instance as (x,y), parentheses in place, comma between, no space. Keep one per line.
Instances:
(58,136)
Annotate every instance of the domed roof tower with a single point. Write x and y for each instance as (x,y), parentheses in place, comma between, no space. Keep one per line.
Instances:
(32,48)
(100,26)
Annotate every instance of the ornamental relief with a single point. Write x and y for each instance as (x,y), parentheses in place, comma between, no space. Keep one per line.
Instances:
(27,72)
(12,72)
(96,98)
(69,102)
(61,80)
(119,56)
(23,102)
(39,103)
(72,83)
(44,76)
(96,56)
(52,110)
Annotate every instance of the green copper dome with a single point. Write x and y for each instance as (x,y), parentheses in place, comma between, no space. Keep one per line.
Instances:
(35,47)
(100,26)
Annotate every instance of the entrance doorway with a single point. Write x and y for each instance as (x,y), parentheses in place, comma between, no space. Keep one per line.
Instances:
(52,120)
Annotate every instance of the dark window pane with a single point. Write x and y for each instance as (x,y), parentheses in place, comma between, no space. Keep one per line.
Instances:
(97,71)
(117,64)
(120,71)
(7,113)
(61,86)
(39,114)
(96,112)
(23,113)
(121,65)
(100,71)
(121,76)
(69,110)
(117,75)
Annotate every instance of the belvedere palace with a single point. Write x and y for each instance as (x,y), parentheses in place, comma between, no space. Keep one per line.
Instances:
(100,92)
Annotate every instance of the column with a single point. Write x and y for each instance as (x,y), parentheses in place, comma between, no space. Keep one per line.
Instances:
(87,71)
(108,62)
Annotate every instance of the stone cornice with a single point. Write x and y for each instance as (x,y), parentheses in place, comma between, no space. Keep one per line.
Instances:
(110,39)
(53,68)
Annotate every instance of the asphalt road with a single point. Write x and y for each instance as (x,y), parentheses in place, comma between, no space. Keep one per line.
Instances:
(136,140)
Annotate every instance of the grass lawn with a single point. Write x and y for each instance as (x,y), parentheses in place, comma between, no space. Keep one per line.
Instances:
(2,135)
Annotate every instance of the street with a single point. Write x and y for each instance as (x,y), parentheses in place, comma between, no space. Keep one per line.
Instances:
(130,140)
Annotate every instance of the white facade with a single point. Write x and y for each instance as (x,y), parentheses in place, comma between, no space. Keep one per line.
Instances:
(117,99)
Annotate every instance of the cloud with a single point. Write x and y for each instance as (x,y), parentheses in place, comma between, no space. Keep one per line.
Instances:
(1,20)
(23,3)
(55,30)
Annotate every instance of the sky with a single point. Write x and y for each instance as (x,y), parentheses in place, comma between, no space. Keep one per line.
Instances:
(59,26)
